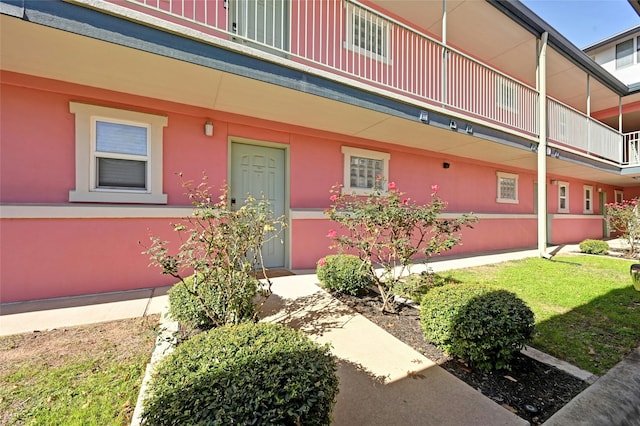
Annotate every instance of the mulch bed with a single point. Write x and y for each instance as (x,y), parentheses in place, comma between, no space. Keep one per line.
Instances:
(531,389)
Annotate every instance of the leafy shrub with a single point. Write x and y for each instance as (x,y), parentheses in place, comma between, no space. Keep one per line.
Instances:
(199,302)
(345,273)
(594,247)
(415,286)
(244,374)
(389,232)
(482,325)
(224,247)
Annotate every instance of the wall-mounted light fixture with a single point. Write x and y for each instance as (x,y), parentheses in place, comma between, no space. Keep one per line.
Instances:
(453,125)
(424,116)
(208,128)
(599,189)
(446,165)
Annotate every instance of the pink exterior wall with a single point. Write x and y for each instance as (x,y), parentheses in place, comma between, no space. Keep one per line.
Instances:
(44,258)
(575,230)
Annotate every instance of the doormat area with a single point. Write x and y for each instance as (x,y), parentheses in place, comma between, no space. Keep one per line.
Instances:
(274,273)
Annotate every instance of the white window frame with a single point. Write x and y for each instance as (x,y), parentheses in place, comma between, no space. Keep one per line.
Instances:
(587,207)
(374,21)
(507,95)
(86,189)
(349,152)
(566,209)
(618,196)
(500,198)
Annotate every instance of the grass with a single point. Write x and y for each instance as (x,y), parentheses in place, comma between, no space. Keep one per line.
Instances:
(88,375)
(587,311)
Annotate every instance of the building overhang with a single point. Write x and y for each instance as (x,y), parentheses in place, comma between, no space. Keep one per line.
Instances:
(65,42)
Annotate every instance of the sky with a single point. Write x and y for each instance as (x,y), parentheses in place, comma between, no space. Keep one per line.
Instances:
(585,22)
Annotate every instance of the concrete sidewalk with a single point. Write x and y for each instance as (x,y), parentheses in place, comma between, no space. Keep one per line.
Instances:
(382,380)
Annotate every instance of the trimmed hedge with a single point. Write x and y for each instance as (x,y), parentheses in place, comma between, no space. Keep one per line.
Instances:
(594,247)
(344,273)
(260,374)
(480,324)
(230,304)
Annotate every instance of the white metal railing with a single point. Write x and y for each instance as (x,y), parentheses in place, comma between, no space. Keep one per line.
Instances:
(570,127)
(358,42)
(632,149)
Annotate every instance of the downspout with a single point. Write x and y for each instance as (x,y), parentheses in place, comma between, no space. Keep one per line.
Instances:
(542,147)
(444,53)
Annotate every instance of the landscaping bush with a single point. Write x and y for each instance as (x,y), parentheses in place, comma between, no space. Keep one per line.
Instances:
(594,247)
(259,374)
(228,304)
(484,326)
(345,273)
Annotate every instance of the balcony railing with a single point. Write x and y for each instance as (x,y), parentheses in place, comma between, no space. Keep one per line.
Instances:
(632,149)
(570,127)
(355,41)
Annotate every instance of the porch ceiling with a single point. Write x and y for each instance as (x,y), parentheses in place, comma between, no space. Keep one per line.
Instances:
(59,55)
(504,44)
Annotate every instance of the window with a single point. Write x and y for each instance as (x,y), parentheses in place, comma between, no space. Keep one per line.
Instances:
(563,197)
(618,196)
(369,34)
(638,50)
(118,155)
(363,168)
(506,96)
(624,54)
(588,199)
(507,188)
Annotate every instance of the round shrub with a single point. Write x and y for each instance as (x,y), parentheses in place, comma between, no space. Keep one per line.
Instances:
(229,297)
(262,374)
(345,273)
(594,247)
(484,326)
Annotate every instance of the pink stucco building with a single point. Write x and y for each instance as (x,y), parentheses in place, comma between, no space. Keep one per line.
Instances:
(103,103)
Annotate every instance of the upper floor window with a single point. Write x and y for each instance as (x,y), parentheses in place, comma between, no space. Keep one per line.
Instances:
(588,199)
(363,169)
(563,197)
(118,155)
(624,54)
(507,188)
(368,34)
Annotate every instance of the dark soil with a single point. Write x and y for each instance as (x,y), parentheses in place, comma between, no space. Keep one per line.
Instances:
(531,389)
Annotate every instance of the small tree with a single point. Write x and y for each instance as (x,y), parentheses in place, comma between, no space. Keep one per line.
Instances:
(222,248)
(623,218)
(386,229)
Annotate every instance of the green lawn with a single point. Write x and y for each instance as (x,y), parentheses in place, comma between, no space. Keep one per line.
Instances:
(88,375)
(587,311)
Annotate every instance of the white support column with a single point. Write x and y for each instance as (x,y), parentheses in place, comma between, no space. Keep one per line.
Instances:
(588,112)
(620,114)
(542,147)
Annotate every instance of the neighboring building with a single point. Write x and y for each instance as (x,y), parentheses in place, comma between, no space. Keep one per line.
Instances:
(103,102)
(620,55)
